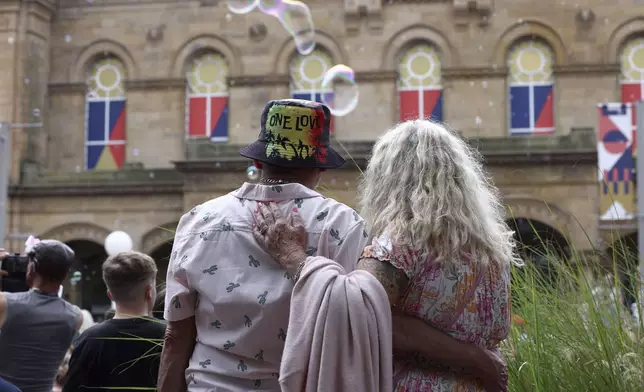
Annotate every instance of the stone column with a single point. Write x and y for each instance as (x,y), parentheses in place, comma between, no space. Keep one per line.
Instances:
(32,80)
(25,27)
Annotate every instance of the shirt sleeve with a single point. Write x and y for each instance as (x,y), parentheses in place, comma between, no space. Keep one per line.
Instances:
(384,250)
(80,363)
(351,245)
(180,298)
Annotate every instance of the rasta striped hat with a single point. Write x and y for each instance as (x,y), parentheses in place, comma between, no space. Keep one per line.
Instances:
(294,133)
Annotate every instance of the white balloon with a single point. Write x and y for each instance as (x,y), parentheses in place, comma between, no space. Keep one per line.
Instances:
(117,242)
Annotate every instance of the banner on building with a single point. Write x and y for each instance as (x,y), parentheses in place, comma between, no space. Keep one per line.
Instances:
(615,161)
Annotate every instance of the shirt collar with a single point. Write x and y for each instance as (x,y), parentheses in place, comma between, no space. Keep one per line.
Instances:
(274,192)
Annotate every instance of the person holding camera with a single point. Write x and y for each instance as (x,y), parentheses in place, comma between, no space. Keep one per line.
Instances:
(37,326)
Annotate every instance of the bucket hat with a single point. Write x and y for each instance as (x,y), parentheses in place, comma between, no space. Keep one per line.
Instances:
(294,133)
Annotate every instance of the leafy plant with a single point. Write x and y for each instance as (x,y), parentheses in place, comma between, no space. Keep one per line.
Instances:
(575,334)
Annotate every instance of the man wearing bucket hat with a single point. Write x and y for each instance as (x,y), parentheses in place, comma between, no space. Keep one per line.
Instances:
(227,300)
(223,291)
(37,325)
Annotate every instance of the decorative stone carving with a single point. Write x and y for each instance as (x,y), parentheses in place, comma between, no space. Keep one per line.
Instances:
(77,231)
(466,11)
(257,32)
(155,34)
(358,11)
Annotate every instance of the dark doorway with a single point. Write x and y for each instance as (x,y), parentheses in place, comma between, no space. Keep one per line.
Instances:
(624,257)
(90,292)
(540,244)
(161,255)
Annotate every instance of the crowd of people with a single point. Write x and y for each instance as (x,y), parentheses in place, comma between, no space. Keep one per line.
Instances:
(275,287)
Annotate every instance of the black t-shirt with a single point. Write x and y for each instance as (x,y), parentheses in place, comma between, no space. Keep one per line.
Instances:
(118,353)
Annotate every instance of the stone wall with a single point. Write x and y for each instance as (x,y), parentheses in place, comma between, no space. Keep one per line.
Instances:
(155,40)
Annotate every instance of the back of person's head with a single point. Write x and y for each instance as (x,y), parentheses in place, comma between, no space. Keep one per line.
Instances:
(51,260)
(309,177)
(426,188)
(130,278)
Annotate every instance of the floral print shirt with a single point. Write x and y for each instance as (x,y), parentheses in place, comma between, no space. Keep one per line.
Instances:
(465,300)
(239,295)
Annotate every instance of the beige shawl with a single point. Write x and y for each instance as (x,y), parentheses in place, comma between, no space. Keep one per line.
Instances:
(339,332)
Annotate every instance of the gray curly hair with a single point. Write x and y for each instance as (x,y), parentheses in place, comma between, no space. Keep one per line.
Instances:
(426,188)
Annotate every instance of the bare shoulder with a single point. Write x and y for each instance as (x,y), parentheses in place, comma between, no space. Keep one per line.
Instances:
(392,279)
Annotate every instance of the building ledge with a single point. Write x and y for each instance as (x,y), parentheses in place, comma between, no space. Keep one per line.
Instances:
(129,181)
(578,147)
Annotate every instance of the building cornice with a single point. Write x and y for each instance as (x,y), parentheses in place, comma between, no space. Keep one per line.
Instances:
(473,72)
(451,73)
(577,148)
(586,69)
(354,162)
(104,189)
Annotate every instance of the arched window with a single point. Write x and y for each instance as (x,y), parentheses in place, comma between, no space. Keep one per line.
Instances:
(632,76)
(307,73)
(207,96)
(530,84)
(420,92)
(632,67)
(105,115)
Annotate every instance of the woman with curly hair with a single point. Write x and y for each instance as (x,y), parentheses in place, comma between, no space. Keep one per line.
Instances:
(441,248)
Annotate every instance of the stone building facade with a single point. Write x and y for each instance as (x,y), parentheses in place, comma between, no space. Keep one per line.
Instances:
(145,103)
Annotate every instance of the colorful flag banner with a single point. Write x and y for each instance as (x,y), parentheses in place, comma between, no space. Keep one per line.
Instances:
(615,161)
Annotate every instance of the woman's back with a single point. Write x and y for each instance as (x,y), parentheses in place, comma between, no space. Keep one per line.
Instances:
(465,300)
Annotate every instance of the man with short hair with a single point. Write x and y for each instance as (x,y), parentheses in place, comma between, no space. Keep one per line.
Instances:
(122,352)
(227,300)
(37,326)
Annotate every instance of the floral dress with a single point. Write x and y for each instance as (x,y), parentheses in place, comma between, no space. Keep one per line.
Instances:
(467,301)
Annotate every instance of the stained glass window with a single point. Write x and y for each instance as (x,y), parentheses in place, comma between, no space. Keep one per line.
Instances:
(207,107)
(531,83)
(105,113)
(420,92)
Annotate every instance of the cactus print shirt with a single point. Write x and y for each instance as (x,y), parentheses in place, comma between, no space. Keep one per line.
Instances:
(462,299)
(239,295)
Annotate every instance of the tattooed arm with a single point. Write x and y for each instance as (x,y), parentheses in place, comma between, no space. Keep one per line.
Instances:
(413,335)
(179,342)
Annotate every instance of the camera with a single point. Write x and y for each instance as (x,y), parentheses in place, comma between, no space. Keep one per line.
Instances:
(16,267)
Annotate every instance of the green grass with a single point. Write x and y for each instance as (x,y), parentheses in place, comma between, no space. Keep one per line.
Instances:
(576,335)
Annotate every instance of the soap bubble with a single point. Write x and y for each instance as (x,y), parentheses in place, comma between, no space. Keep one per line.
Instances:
(136,152)
(36,112)
(296,18)
(341,91)
(478,120)
(68,38)
(11,39)
(242,6)
(252,173)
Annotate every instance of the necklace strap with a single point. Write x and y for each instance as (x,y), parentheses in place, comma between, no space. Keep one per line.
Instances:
(271,181)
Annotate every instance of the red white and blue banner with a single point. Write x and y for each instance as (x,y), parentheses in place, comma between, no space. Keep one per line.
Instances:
(531,109)
(105,137)
(615,143)
(423,103)
(208,117)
